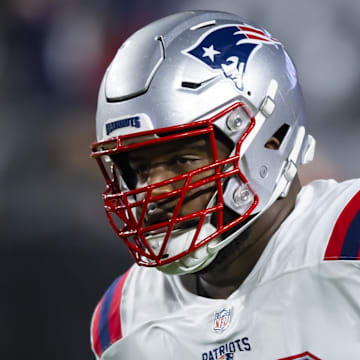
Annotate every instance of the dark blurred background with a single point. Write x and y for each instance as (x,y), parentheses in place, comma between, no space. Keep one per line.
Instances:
(58,253)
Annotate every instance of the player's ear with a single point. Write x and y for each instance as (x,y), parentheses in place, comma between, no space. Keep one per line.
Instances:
(273,143)
(276,139)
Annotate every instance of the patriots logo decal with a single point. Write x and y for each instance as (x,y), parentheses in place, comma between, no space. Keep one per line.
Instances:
(228,49)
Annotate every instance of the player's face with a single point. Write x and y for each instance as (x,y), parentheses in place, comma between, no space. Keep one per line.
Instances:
(167,160)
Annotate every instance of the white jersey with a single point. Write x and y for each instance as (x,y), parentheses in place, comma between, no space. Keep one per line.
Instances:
(300,301)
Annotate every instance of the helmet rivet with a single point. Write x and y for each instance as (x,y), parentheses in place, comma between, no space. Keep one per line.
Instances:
(263,171)
(237,121)
(243,196)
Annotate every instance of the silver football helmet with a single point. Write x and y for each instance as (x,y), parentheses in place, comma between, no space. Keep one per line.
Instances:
(190,74)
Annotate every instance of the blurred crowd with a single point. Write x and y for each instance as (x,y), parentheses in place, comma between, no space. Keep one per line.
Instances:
(58,253)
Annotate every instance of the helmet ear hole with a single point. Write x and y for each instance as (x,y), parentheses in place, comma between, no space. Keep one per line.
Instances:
(275,141)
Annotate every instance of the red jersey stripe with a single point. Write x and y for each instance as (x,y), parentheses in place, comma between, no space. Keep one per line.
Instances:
(341,227)
(95,330)
(114,313)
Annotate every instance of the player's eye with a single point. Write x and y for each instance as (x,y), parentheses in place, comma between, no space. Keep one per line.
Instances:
(186,160)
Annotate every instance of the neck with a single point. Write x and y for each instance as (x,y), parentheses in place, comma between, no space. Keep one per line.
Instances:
(221,279)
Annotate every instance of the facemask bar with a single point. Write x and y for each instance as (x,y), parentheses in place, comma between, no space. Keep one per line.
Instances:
(120,202)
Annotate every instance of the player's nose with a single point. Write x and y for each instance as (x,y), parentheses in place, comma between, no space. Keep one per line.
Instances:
(158,209)
(156,176)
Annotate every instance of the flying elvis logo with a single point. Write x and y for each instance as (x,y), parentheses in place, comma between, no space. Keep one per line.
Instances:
(228,48)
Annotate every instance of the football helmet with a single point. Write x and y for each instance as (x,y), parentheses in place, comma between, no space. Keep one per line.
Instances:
(198,73)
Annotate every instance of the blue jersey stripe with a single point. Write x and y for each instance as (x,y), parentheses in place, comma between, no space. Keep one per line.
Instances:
(351,246)
(104,333)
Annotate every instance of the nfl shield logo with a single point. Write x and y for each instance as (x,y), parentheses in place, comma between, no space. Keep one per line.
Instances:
(221,320)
